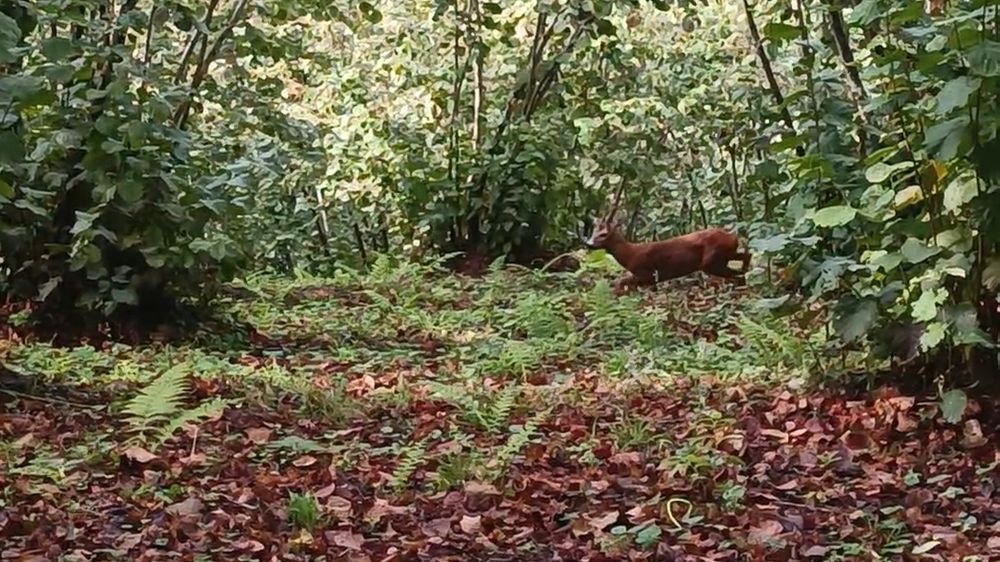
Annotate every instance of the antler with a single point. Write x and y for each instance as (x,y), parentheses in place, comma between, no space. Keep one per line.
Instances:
(618,197)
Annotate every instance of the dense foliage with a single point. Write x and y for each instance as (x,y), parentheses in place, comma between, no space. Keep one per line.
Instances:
(853,144)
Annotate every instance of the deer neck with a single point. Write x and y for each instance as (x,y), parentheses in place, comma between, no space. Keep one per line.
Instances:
(620,248)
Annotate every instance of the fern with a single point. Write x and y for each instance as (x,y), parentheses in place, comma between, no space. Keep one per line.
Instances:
(516,440)
(494,418)
(193,416)
(158,408)
(158,401)
(409,459)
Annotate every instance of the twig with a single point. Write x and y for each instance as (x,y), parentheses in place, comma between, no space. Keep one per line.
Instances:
(60,401)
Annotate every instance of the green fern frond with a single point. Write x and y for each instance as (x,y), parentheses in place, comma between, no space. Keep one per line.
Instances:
(159,400)
(193,416)
(409,459)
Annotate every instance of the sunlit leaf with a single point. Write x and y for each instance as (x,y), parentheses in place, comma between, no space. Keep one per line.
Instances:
(955,94)
(834,216)
(916,251)
(960,191)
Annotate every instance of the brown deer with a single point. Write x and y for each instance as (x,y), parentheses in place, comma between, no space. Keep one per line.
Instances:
(710,250)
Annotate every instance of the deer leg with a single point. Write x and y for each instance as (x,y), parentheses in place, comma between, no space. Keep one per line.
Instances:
(630,281)
(744,258)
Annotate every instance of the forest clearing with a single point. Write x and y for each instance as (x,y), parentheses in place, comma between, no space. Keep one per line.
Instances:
(412,415)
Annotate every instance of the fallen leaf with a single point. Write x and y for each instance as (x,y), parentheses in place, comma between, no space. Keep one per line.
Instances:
(25,441)
(437,527)
(480,488)
(139,455)
(190,506)
(345,539)
(777,434)
(972,435)
(626,458)
(599,523)
(926,547)
(325,491)
(790,485)
(248,545)
(765,532)
(471,525)
(815,551)
(304,461)
(340,507)
(259,435)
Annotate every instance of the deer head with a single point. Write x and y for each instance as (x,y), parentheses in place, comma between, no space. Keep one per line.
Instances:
(607,227)
(603,231)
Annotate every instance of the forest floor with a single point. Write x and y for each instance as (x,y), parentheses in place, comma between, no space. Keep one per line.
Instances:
(410,415)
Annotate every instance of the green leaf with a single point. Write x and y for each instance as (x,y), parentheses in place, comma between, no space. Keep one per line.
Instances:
(953,405)
(956,94)
(21,87)
(866,12)
(6,189)
(492,7)
(834,216)
(11,148)
(649,535)
(57,48)
(780,32)
(772,303)
(960,191)
(916,251)
(932,336)
(991,273)
(83,222)
(925,308)
(853,326)
(130,190)
(984,58)
(885,260)
(944,139)
(370,12)
(125,295)
(46,288)
(881,171)
(10,33)
(605,27)
(965,326)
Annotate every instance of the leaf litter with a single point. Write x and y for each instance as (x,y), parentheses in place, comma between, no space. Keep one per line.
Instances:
(582,466)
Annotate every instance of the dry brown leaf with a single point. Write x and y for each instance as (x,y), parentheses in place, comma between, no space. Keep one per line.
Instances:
(345,539)
(471,525)
(259,435)
(815,551)
(139,455)
(304,461)
(190,506)
(765,532)
(776,434)
(340,507)
(790,485)
(325,491)
(248,545)
(598,524)
(972,435)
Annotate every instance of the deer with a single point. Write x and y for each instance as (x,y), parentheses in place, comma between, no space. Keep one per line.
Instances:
(710,250)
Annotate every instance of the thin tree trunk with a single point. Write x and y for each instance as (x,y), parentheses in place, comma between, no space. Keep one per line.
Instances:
(844,48)
(765,64)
